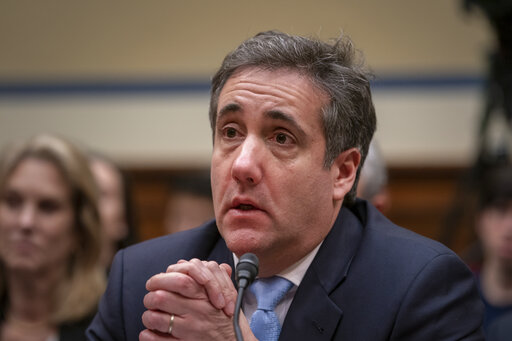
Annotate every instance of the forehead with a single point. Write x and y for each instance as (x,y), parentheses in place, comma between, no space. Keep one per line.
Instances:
(281,87)
(40,176)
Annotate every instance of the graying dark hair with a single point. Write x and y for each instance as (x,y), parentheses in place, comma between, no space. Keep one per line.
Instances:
(349,118)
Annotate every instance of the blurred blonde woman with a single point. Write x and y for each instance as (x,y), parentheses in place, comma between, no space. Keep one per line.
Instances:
(50,275)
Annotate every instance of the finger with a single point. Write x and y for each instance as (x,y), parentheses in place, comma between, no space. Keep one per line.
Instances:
(169,302)
(200,320)
(150,335)
(227,268)
(192,268)
(160,300)
(158,320)
(204,276)
(213,283)
(220,273)
(178,283)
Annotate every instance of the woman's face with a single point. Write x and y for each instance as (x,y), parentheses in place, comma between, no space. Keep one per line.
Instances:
(36,218)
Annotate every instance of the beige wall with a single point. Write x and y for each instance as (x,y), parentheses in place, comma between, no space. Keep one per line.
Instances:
(133,40)
(161,38)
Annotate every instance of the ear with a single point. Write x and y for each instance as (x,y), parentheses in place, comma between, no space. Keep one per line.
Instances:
(344,170)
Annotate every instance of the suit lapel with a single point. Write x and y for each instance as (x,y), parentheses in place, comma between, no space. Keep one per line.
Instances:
(221,254)
(312,314)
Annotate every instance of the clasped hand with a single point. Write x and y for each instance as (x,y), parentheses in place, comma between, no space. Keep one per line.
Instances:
(201,297)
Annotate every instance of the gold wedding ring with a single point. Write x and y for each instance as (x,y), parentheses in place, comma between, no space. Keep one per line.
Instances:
(171,324)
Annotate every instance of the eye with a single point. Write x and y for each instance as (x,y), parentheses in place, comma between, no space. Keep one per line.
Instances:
(281,138)
(13,200)
(49,206)
(230,132)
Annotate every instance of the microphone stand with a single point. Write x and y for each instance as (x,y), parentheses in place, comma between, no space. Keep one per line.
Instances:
(245,272)
(236,316)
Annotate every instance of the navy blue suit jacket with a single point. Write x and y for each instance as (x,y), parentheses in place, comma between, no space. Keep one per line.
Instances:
(370,280)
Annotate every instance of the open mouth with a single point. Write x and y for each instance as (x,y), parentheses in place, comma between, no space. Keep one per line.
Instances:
(245,207)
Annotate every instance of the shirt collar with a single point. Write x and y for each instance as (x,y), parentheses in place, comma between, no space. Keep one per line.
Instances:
(295,273)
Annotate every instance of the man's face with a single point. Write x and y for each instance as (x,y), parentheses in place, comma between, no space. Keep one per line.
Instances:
(272,195)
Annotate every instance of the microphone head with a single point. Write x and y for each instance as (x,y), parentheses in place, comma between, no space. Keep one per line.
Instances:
(247,268)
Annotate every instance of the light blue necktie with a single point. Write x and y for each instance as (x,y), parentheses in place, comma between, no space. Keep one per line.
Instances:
(269,292)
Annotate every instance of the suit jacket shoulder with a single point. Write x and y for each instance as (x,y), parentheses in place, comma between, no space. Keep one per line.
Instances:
(373,280)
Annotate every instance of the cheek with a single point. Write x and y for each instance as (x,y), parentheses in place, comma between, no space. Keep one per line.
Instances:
(60,238)
(3,229)
(3,218)
(488,229)
(219,179)
(7,224)
(7,217)
(309,196)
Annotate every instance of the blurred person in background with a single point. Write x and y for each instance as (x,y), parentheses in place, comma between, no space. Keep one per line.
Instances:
(50,275)
(115,207)
(373,180)
(494,231)
(190,202)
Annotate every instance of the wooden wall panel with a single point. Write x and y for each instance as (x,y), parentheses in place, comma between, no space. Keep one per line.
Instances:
(429,202)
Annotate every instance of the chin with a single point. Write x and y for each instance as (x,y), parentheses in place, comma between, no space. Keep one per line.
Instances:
(23,265)
(240,243)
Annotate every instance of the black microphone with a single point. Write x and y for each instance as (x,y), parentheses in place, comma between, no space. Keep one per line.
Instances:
(245,272)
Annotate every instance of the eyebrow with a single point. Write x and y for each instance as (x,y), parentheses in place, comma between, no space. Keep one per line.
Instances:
(281,116)
(231,107)
(272,114)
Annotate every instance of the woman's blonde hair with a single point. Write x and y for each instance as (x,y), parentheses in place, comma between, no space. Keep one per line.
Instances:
(78,294)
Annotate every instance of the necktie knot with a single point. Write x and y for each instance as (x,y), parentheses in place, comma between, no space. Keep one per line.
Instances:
(269,292)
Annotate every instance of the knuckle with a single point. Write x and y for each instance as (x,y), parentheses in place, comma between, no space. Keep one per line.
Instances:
(212,265)
(188,284)
(147,335)
(148,301)
(148,320)
(156,299)
(195,261)
(185,283)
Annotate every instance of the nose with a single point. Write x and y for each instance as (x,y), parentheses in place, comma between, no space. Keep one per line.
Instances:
(27,217)
(246,167)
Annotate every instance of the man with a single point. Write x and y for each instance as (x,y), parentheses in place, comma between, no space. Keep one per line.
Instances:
(292,119)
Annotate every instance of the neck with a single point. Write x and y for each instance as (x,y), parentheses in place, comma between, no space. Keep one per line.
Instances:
(31,294)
